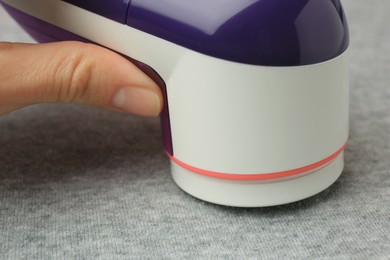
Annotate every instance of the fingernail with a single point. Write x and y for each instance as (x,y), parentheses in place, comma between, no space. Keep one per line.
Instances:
(138,101)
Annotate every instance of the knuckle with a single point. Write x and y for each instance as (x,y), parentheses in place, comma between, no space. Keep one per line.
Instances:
(74,73)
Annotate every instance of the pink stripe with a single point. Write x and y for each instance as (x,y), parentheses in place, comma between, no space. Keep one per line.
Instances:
(263,176)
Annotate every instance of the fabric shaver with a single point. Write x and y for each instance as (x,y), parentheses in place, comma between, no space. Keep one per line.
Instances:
(257,91)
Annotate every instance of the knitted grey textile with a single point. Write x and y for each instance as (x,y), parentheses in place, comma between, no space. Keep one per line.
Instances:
(77,182)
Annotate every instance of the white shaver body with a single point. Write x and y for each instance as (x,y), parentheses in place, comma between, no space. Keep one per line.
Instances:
(270,136)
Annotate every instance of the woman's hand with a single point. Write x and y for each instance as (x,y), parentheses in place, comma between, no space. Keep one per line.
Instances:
(68,72)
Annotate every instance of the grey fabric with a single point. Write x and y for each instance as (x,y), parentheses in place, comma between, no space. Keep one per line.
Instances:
(80,182)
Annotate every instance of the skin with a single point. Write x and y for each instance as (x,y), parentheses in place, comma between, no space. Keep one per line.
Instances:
(74,72)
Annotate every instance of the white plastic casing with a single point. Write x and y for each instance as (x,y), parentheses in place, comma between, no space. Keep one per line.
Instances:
(283,129)
(254,136)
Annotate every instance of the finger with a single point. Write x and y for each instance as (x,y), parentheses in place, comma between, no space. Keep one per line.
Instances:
(69,72)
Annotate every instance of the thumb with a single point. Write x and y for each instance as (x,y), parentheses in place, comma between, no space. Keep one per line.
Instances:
(74,72)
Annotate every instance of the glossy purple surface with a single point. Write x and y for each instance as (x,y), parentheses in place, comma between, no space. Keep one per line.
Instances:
(112,9)
(44,32)
(261,32)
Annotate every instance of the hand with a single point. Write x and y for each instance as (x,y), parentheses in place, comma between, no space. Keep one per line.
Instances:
(68,72)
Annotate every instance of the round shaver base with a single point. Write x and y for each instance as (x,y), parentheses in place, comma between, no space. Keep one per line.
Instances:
(257,193)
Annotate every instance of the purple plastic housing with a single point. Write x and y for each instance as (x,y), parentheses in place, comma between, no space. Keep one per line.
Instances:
(113,9)
(260,32)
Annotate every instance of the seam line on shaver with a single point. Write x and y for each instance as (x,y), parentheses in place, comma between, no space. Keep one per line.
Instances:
(261,176)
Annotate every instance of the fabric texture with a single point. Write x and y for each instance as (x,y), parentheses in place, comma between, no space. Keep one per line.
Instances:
(79,182)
